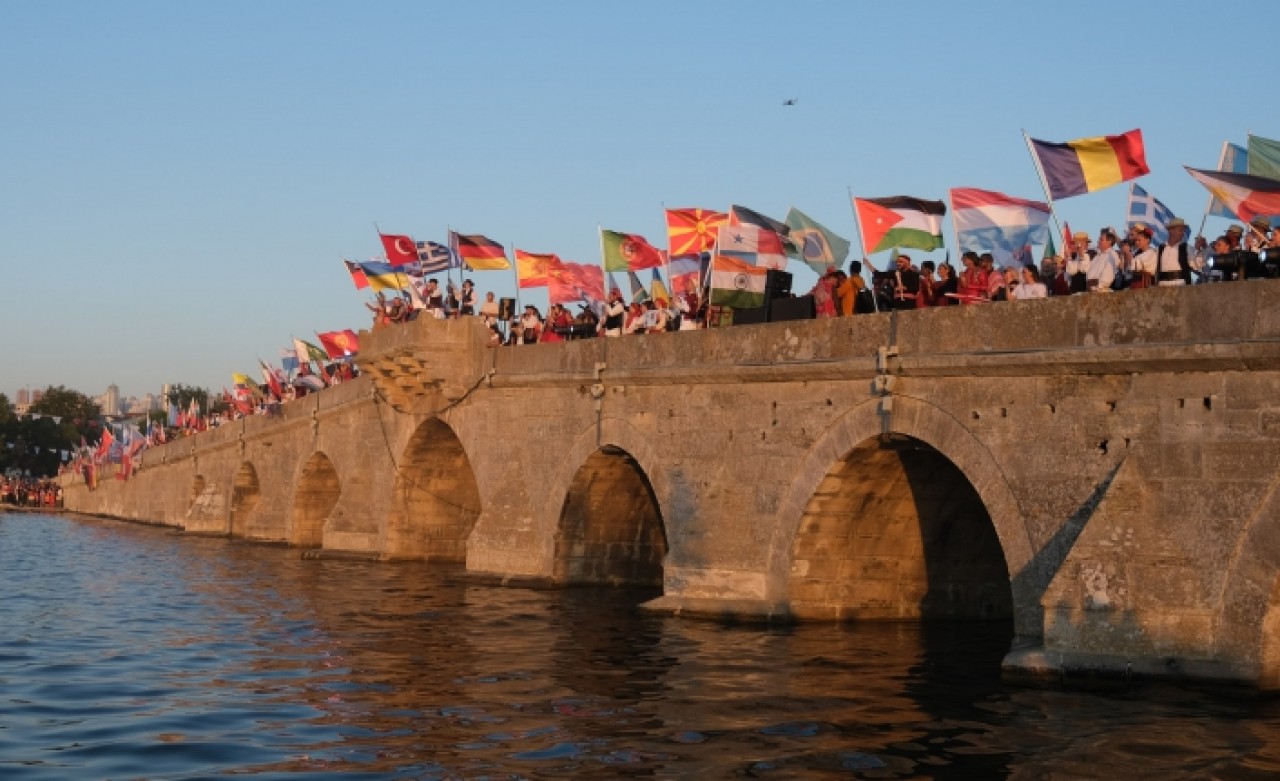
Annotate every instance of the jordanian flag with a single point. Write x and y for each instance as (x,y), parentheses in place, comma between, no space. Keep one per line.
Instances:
(737,283)
(899,221)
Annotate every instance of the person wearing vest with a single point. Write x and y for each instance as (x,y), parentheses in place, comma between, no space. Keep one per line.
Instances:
(1175,262)
(1145,259)
(614,313)
(1079,258)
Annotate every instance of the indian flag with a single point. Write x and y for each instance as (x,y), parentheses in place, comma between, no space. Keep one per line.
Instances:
(737,283)
(899,221)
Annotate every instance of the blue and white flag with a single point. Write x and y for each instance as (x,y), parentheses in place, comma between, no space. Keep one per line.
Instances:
(289,359)
(1005,226)
(1234,159)
(1145,209)
(433,257)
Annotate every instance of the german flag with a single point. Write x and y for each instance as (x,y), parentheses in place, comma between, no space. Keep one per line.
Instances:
(691,231)
(479,253)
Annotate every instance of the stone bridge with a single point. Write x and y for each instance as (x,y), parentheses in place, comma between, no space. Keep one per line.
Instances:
(1100,470)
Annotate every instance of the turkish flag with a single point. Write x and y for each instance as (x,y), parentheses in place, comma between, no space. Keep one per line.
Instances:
(400,249)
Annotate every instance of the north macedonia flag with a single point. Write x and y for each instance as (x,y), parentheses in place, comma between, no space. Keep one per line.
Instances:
(690,231)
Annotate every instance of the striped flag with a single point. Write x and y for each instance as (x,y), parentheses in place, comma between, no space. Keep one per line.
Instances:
(1089,164)
(434,258)
(686,272)
(1005,226)
(532,268)
(479,253)
(737,283)
(357,275)
(1234,159)
(1146,209)
(899,221)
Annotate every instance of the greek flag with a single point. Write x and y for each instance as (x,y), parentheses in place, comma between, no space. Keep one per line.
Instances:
(1149,211)
(433,257)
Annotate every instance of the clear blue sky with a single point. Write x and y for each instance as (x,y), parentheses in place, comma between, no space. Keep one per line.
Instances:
(178,181)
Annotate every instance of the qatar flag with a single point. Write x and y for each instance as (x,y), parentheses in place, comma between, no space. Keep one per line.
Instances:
(401,250)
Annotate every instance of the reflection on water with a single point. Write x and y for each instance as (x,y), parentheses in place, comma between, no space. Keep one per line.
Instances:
(132,652)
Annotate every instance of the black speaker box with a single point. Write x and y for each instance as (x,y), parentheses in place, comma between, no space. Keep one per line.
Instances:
(799,308)
(777,284)
(506,308)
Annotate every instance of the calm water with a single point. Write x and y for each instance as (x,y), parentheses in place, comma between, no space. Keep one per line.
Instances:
(133,652)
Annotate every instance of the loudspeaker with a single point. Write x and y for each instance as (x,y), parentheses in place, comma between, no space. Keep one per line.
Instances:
(777,284)
(799,308)
(750,316)
(506,308)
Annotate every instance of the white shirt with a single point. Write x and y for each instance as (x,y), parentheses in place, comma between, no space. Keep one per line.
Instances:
(1025,291)
(1103,270)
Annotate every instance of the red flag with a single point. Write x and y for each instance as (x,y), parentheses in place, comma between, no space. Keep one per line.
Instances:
(1068,243)
(272,381)
(571,282)
(358,277)
(340,343)
(104,446)
(400,249)
(690,231)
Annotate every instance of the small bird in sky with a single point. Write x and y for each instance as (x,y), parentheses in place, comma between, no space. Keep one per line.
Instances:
(790,101)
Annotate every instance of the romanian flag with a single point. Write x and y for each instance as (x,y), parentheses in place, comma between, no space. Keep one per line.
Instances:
(899,221)
(357,275)
(1088,164)
(628,252)
(479,253)
(1247,196)
(690,231)
(400,249)
(531,268)
(339,344)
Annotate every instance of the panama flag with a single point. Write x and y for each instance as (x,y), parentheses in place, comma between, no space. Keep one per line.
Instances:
(899,221)
(751,244)
(1247,196)
(400,249)
(1003,225)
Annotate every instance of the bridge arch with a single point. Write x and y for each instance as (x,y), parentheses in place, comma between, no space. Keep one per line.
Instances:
(246,493)
(436,499)
(605,519)
(317,491)
(915,438)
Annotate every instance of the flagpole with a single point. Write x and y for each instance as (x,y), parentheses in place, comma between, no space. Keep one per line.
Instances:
(857,226)
(1222,160)
(1044,183)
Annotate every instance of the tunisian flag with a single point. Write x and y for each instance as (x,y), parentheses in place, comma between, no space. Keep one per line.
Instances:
(340,343)
(400,249)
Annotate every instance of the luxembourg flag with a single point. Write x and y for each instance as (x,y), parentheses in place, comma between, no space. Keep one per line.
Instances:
(751,244)
(988,221)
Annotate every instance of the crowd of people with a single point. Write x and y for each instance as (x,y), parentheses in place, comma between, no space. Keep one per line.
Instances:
(1108,263)
(30,492)
(1111,264)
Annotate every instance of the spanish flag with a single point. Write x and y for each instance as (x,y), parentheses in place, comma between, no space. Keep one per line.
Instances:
(531,268)
(1089,164)
(479,253)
